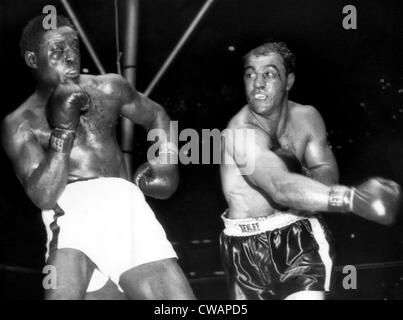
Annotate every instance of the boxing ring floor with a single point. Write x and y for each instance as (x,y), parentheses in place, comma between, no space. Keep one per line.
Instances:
(375,281)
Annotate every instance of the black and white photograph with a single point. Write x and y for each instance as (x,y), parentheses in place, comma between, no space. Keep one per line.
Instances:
(216,150)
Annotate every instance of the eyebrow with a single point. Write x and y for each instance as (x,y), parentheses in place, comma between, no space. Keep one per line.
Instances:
(265,66)
(60,40)
(55,41)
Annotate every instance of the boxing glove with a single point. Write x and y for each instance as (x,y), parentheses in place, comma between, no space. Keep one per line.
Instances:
(376,199)
(63,112)
(157,180)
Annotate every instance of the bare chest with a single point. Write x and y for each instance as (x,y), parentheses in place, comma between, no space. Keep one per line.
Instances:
(100,120)
(295,140)
(96,126)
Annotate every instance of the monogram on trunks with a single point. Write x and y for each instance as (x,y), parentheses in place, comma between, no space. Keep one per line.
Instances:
(252,227)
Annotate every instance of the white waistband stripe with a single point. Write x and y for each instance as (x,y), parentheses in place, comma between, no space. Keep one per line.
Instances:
(251,226)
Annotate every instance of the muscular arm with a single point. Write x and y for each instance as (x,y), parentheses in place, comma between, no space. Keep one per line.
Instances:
(159,177)
(42,174)
(271,175)
(144,111)
(318,155)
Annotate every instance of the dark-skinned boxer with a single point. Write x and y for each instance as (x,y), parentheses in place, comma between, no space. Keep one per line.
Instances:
(274,245)
(63,146)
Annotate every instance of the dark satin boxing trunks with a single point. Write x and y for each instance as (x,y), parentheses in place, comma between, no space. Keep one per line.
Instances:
(274,256)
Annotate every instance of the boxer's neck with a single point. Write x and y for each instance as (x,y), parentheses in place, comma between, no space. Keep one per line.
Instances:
(43,91)
(273,124)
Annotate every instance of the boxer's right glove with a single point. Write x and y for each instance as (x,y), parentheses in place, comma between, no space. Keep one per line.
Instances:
(376,199)
(63,111)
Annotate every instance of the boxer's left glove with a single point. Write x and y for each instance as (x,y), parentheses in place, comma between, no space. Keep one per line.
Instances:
(157,180)
(159,177)
(376,199)
(63,111)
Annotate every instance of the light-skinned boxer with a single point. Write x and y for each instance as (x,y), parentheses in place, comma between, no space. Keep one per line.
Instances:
(274,245)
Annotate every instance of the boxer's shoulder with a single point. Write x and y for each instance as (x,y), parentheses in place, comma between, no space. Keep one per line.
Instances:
(18,127)
(110,78)
(26,116)
(304,113)
(240,120)
(109,84)
(304,110)
(11,124)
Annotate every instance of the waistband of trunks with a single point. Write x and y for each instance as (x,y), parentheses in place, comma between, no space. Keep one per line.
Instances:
(252,226)
(95,179)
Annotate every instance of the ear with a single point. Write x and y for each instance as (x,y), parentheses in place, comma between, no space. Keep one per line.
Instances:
(290,80)
(30,59)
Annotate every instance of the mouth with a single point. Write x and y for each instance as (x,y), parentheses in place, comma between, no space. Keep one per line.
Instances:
(260,96)
(72,74)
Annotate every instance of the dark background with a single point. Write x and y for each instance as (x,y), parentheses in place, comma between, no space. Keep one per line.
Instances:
(353,77)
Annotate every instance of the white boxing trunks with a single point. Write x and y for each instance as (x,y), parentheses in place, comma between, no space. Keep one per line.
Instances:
(108,220)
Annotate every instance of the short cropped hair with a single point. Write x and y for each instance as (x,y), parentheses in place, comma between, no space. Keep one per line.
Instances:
(276,47)
(32,35)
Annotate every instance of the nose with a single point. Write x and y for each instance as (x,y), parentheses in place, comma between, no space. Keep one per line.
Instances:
(259,82)
(70,57)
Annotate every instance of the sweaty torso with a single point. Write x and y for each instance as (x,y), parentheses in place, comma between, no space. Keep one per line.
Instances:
(244,199)
(95,151)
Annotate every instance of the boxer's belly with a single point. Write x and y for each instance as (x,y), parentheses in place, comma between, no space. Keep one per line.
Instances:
(105,160)
(244,200)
